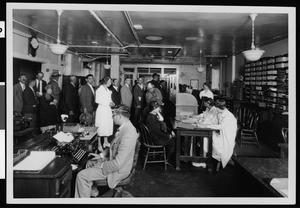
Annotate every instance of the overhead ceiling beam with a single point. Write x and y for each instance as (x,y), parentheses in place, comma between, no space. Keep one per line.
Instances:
(132,28)
(36,30)
(154,46)
(96,46)
(107,29)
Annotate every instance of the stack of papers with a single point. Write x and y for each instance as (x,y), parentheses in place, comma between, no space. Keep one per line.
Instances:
(36,161)
(63,137)
(280,185)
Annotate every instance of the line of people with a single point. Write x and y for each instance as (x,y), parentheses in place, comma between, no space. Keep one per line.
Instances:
(43,103)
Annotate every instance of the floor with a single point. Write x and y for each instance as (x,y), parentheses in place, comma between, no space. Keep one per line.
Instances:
(190,181)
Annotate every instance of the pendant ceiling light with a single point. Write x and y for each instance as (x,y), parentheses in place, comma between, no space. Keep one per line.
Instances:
(200,68)
(107,65)
(254,54)
(58,49)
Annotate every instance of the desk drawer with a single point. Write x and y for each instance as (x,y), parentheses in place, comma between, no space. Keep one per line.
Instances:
(63,184)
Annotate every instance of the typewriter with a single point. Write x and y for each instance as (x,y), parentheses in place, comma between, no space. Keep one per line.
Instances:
(72,148)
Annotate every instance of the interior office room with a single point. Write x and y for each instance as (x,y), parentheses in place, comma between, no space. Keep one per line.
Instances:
(150,104)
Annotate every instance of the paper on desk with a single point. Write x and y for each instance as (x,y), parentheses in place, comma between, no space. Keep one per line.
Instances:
(191,120)
(63,137)
(281,185)
(36,161)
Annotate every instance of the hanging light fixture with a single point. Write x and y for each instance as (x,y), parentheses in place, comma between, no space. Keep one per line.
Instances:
(200,68)
(254,54)
(58,49)
(107,65)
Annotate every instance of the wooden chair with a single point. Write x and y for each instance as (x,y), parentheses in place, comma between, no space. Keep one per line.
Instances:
(247,124)
(284,147)
(151,148)
(119,190)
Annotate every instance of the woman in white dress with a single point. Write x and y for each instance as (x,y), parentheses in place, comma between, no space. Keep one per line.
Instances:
(205,93)
(104,120)
(209,116)
(224,138)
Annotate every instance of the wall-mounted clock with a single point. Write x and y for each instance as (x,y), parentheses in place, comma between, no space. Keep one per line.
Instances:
(33,45)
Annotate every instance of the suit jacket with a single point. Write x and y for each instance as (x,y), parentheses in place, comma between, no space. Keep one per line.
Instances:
(138,97)
(70,99)
(18,98)
(121,153)
(29,100)
(37,89)
(126,95)
(55,90)
(87,98)
(115,95)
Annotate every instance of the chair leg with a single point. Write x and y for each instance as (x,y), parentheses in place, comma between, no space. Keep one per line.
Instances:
(255,135)
(165,158)
(218,166)
(118,192)
(146,158)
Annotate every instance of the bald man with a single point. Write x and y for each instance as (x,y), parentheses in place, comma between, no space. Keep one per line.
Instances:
(70,100)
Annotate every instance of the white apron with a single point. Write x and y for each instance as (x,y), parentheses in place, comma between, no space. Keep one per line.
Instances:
(103,120)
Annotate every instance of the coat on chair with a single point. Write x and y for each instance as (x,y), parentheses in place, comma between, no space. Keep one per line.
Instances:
(121,154)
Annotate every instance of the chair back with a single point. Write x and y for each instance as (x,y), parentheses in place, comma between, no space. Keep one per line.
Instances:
(247,118)
(284,132)
(241,115)
(145,135)
(252,120)
(136,153)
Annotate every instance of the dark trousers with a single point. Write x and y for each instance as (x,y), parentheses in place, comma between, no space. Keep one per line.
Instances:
(170,148)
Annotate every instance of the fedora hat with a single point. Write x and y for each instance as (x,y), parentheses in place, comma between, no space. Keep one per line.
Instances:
(55,74)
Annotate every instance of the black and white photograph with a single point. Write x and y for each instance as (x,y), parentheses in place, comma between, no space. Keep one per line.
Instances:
(150,104)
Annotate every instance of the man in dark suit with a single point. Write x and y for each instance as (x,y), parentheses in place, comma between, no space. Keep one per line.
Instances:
(40,84)
(30,103)
(115,89)
(114,163)
(87,96)
(70,100)
(54,85)
(39,89)
(18,94)
(139,100)
(126,94)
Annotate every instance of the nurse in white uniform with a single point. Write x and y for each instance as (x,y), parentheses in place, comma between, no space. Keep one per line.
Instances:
(104,120)
(224,137)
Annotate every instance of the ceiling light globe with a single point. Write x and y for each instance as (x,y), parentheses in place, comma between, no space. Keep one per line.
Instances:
(253,54)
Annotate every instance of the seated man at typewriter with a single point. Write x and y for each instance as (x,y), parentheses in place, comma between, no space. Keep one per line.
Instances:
(114,163)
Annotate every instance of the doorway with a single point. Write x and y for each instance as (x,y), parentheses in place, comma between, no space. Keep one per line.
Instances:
(29,68)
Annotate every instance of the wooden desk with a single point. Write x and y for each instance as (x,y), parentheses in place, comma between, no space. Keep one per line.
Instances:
(54,181)
(264,169)
(191,136)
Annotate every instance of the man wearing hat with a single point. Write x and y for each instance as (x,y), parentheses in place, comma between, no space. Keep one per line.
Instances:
(54,85)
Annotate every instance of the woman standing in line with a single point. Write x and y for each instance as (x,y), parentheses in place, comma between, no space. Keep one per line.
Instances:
(48,110)
(104,120)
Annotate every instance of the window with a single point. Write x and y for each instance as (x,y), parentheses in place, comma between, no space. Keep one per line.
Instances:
(128,70)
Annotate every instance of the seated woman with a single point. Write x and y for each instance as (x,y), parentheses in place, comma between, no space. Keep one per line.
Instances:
(48,110)
(209,116)
(159,132)
(223,139)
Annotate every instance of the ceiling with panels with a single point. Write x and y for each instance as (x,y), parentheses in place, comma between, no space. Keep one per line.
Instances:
(178,36)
